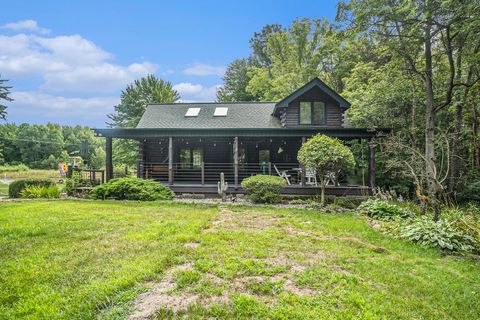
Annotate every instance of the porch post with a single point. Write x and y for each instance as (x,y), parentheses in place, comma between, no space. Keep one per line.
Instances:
(235,160)
(170,160)
(304,171)
(371,163)
(108,159)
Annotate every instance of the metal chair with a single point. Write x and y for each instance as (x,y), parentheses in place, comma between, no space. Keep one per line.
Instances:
(283,174)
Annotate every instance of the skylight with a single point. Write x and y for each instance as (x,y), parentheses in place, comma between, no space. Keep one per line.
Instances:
(192,112)
(220,112)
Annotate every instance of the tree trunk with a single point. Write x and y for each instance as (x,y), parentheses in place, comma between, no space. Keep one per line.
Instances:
(414,116)
(458,130)
(322,191)
(476,147)
(429,115)
(430,167)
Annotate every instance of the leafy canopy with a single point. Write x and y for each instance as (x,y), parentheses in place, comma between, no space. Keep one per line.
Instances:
(326,155)
(134,100)
(137,96)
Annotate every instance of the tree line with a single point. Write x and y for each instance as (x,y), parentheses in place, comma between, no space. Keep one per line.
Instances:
(44,146)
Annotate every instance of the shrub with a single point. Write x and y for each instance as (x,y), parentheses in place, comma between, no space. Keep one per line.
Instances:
(15,168)
(263,188)
(132,188)
(71,184)
(16,187)
(383,210)
(40,192)
(442,234)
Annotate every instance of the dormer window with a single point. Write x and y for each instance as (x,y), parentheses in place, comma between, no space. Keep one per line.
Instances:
(312,112)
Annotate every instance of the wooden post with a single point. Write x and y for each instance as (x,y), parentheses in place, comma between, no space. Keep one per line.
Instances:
(202,167)
(235,160)
(108,159)
(304,171)
(371,163)
(170,160)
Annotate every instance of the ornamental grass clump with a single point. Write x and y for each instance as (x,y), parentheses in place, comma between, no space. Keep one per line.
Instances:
(264,188)
(132,188)
(15,188)
(36,192)
(384,210)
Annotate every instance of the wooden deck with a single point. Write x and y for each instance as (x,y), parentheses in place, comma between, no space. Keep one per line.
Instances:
(211,189)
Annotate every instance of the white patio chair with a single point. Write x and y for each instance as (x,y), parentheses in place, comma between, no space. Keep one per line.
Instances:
(283,174)
(330,176)
(311,176)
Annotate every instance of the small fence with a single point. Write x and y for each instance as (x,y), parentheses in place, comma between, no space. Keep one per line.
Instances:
(94,176)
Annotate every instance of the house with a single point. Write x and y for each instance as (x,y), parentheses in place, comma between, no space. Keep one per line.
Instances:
(188,145)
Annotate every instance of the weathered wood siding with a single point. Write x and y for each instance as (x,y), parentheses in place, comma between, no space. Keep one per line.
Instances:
(334,112)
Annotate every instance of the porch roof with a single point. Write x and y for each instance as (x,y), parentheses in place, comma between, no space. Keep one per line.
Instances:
(143,133)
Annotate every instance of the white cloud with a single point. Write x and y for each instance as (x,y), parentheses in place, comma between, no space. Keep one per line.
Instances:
(190,92)
(67,64)
(204,70)
(31,104)
(97,78)
(186,88)
(25,25)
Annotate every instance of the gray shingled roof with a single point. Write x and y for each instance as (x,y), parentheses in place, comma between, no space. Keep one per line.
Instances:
(240,115)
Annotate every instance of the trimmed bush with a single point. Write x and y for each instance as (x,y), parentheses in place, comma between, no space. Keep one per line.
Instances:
(132,188)
(33,192)
(16,187)
(263,188)
(383,210)
(442,234)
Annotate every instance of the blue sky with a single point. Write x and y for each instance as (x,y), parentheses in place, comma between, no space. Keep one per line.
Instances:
(69,60)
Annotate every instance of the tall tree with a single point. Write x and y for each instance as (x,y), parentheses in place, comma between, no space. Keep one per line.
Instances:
(235,82)
(422,33)
(259,44)
(4,95)
(308,48)
(134,100)
(137,96)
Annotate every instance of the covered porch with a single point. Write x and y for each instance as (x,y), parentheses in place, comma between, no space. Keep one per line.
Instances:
(191,160)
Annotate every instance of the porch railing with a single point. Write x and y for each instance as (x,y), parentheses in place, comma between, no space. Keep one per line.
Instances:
(209,173)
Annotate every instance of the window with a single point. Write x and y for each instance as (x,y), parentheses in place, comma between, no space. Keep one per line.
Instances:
(191,157)
(185,158)
(220,112)
(197,157)
(192,112)
(305,112)
(312,112)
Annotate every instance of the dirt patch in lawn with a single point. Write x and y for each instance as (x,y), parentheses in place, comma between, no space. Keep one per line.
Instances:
(239,220)
(146,304)
(354,240)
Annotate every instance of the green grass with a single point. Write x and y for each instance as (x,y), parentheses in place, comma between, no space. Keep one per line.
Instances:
(87,260)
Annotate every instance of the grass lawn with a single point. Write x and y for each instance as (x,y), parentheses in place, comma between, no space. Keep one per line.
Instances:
(87,260)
